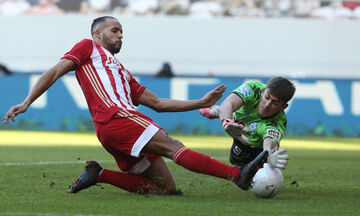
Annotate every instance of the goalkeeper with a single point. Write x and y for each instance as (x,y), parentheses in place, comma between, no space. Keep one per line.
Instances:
(253,114)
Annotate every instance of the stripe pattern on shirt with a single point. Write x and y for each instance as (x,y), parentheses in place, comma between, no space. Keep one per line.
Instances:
(112,76)
(133,117)
(95,83)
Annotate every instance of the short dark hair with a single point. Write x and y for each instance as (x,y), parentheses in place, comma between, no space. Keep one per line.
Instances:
(281,88)
(98,22)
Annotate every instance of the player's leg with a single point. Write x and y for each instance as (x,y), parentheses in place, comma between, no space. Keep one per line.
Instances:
(127,181)
(162,144)
(155,179)
(160,175)
(94,174)
(124,139)
(241,154)
(118,137)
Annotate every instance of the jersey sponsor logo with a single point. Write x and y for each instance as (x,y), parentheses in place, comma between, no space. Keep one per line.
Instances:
(273,133)
(244,90)
(111,61)
(253,126)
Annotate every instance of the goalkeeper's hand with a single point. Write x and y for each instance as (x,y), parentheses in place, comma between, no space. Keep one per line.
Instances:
(211,112)
(234,129)
(278,159)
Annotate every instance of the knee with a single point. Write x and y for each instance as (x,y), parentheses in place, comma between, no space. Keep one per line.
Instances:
(166,187)
(175,145)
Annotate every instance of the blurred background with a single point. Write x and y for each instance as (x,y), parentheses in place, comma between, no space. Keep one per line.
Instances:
(180,49)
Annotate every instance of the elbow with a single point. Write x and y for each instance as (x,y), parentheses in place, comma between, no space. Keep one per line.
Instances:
(158,109)
(161,106)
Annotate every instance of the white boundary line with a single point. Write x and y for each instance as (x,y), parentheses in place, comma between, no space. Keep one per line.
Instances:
(39,163)
(44,163)
(47,214)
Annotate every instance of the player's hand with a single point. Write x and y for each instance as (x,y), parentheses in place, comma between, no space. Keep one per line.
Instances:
(234,129)
(14,111)
(213,96)
(278,159)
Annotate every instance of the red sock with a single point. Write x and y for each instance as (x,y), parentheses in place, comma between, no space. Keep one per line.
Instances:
(126,181)
(201,163)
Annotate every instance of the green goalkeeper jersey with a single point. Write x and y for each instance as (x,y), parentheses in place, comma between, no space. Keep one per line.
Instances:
(259,128)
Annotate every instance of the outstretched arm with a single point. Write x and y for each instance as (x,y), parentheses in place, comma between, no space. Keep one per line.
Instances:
(226,109)
(46,80)
(149,99)
(229,105)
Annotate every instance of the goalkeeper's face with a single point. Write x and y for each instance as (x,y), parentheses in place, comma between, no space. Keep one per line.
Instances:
(269,105)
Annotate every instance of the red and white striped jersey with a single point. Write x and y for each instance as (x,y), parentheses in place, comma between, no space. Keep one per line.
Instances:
(108,87)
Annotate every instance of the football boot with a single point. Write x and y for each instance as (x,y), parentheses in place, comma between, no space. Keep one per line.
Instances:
(87,178)
(249,170)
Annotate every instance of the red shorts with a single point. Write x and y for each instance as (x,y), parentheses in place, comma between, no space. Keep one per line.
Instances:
(124,136)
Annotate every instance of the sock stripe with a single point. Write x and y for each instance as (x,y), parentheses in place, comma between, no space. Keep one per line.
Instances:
(178,153)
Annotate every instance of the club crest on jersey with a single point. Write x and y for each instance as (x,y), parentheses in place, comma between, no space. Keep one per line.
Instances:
(273,133)
(244,90)
(253,126)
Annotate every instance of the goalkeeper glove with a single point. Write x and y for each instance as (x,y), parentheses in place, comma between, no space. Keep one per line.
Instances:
(235,130)
(211,112)
(278,159)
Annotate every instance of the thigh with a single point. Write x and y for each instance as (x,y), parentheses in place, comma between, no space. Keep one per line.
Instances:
(162,144)
(134,165)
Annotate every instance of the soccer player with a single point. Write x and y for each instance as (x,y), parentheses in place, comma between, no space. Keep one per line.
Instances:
(133,139)
(253,114)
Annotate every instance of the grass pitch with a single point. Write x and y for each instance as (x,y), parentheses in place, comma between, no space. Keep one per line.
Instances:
(322,178)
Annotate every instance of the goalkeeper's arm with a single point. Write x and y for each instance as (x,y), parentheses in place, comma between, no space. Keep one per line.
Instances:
(228,106)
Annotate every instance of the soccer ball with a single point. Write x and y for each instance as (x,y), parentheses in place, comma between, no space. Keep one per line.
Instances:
(267,182)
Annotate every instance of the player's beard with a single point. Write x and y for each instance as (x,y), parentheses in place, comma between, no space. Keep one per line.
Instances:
(111,45)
